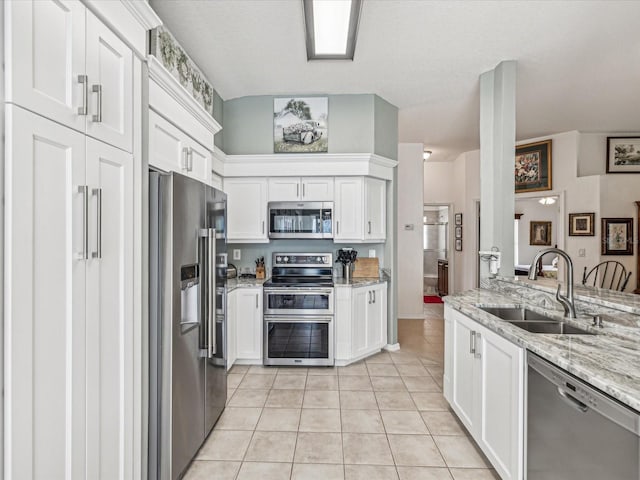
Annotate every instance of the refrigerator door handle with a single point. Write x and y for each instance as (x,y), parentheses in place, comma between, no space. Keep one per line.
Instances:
(211,276)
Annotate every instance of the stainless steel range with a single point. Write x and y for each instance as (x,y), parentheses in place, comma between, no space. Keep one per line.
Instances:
(298,310)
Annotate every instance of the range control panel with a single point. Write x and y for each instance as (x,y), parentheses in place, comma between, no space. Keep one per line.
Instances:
(302,259)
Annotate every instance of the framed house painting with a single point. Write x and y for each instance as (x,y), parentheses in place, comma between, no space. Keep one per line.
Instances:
(533,167)
(300,124)
(617,236)
(581,224)
(623,154)
(539,233)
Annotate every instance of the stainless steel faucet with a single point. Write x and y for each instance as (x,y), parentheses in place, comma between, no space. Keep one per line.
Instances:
(566,301)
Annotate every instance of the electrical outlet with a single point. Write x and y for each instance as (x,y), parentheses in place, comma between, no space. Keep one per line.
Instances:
(372,253)
(237,254)
(582,252)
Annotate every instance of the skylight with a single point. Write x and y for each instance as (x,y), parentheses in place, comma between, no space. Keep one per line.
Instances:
(331,28)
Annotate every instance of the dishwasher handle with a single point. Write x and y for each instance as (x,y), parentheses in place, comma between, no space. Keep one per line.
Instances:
(572,401)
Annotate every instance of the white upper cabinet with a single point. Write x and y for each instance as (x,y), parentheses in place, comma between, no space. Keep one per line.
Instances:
(109,70)
(375,210)
(348,209)
(291,189)
(46,54)
(246,210)
(66,65)
(172,150)
(360,209)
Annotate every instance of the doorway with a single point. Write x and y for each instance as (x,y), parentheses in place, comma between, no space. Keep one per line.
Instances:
(435,244)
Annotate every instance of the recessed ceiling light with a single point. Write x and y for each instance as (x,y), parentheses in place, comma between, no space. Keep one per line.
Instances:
(426,154)
(331,28)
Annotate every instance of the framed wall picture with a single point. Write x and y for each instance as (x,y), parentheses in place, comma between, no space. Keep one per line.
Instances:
(617,236)
(539,233)
(533,167)
(623,154)
(458,218)
(458,244)
(581,224)
(300,125)
(458,232)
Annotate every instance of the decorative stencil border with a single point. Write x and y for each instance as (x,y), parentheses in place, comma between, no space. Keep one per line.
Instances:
(168,51)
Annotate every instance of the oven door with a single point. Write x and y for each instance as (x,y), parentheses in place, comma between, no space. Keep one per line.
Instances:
(292,301)
(292,340)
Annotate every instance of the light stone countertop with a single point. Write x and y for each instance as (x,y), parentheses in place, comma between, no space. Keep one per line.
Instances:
(609,360)
(233,283)
(358,282)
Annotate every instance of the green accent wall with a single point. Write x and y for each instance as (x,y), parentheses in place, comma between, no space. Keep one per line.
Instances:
(357,124)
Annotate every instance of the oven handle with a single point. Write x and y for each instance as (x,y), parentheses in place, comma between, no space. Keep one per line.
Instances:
(294,319)
(272,291)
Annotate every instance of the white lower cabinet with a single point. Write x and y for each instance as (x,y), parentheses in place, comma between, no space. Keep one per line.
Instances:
(484,384)
(245,324)
(360,321)
(69,326)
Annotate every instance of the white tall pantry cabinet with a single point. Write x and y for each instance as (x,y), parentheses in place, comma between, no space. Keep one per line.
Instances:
(72,322)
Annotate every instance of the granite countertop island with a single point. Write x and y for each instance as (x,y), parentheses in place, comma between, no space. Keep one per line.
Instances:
(608,360)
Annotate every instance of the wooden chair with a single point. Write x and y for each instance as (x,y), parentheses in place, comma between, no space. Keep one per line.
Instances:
(609,274)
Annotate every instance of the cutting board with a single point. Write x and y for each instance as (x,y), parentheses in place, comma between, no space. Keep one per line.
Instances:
(366,268)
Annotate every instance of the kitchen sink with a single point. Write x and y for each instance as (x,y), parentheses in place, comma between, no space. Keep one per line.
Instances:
(517,314)
(550,327)
(534,322)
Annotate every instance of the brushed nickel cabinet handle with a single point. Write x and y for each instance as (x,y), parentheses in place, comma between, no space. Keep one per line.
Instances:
(472,342)
(84,81)
(297,190)
(369,232)
(98,116)
(98,193)
(84,190)
(303,194)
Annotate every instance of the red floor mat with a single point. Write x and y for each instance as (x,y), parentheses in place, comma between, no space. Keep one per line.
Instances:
(432,299)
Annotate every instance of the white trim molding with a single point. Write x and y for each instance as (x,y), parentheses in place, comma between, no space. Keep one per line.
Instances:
(169,84)
(309,164)
(391,347)
(143,13)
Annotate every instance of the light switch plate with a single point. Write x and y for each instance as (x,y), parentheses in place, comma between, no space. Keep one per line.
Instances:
(582,252)
(237,254)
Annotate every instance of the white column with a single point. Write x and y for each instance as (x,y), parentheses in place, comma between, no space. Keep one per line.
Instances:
(497,151)
(410,211)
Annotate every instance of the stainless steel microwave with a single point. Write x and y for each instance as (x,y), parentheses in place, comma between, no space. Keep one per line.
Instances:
(300,219)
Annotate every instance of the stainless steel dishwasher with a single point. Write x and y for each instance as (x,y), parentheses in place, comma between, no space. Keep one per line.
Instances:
(575,431)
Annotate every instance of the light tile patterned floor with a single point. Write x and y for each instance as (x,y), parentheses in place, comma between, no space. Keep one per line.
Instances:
(381,419)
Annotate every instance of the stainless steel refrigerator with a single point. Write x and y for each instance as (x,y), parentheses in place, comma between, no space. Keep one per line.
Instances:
(187,319)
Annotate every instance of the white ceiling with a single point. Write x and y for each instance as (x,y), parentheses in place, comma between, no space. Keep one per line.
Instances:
(578,61)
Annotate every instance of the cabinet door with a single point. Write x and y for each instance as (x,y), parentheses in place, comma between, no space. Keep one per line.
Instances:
(199,160)
(110,72)
(463,372)
(45,55)
(44,299)
(246,209)
(348,209)
(317,189)
(284,189)
(447,386)
(232,326)
(109,319)
(249,323)
(359,336)
(167,145)
(377,317)
(376,210)
(502,376)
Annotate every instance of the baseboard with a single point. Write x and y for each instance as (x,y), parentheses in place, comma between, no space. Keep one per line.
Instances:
(411,316)
(391,347)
